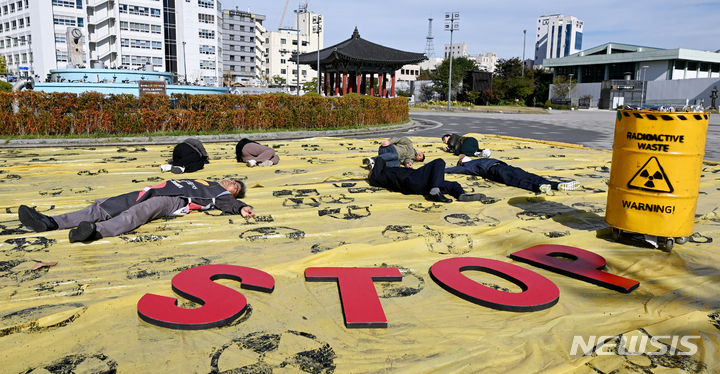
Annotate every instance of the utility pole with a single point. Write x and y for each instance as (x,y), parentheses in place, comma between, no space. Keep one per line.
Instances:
(184,62)
(317,27)
(523,60)
(451,25)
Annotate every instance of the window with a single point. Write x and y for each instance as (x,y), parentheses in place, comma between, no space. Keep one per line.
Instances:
(65,21)
(206,3)
(206,18)
(283,41)
(283,71)
(60,38)
(207,64)
(206,34)
(207,49)
(123,42)
(65,3)
(80,22)
(282,60)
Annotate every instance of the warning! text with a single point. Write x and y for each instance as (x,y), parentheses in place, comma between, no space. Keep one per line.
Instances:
(654,208)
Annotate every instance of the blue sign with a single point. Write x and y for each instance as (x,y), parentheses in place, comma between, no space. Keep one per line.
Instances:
(23,68)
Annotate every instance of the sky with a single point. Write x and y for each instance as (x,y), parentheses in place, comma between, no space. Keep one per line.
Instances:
(497,26)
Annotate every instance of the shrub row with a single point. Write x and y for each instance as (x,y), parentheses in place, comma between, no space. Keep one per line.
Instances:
(41,113)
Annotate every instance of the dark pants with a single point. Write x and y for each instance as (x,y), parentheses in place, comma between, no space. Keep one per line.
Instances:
(186,156)
(414,181)
(390,155)
(469,146)
(516,177)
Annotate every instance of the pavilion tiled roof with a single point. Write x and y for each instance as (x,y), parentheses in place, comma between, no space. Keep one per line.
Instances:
(359,50)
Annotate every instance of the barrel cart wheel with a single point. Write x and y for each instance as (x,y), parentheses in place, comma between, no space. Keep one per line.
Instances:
(681,239)
(666,244)
(617,234)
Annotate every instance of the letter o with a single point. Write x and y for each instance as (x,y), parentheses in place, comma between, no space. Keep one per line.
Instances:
(538,292)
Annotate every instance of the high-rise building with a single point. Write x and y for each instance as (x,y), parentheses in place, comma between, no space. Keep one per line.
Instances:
(33,34)
(179,36)
(126,33)
(281,45)
(243,40)
(557,36)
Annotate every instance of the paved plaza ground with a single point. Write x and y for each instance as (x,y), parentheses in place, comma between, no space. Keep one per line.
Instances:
(316,209)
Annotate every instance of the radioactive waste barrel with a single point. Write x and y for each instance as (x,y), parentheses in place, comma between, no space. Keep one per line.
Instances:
(655,173)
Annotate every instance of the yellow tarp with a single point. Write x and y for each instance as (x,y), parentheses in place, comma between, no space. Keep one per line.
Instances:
(316,209)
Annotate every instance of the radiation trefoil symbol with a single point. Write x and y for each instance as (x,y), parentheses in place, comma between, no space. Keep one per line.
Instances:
(651,177)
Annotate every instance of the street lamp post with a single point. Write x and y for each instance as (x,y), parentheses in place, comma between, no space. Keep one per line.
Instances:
(317,27)
(523,60)
(184,63)
(644,84)
(451,25)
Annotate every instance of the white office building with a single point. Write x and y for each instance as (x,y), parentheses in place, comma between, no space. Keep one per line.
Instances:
(281,45)
(557,36)
(126,33)
(197,42)
(456,49)
(486,62)
(243,47)
(33,34)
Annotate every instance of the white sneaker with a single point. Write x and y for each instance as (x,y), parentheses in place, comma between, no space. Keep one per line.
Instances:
(486,153)
(568,186)
(251,163)
(165,168)
(369,162)
(545,188)
(266,163)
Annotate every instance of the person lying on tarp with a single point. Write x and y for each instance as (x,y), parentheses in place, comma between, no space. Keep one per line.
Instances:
(398,152)
(498,171)
(463,145)
(428,180)
(188,156)
(123,213)
(254,153)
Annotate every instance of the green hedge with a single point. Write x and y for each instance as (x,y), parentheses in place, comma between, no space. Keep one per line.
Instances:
(41,113)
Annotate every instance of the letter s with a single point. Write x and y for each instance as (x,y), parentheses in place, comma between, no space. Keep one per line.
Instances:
(220,304)
(685,342)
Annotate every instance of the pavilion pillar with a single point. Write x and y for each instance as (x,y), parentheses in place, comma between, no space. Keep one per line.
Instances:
(357,82)
(363,84)
(372,84)
(337,83)
(325,83)
(381,88)
(344,83)
(392,87)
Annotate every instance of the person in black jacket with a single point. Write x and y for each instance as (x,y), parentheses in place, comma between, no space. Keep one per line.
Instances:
(428,180)
(498,171)
(188,156)
(120,214)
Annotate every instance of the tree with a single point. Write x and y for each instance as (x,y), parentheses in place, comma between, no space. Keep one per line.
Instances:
(509,84)
(3,65)
(561,87)
(542,81)
(424,75)
(311,85)
(277,81)
(461,65)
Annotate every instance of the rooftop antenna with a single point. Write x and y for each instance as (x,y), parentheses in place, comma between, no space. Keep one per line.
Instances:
(429,47)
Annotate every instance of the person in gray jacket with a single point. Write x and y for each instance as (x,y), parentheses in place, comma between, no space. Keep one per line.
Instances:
(398,152)
(123,213)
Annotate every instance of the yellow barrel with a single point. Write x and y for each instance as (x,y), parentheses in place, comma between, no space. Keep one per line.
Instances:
(655,173)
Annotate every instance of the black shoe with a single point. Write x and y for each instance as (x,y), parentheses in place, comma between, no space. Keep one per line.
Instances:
(84,232)
(34,220)
(471,197)
(440,198)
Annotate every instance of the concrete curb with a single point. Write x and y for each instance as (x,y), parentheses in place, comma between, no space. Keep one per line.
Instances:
(151,140)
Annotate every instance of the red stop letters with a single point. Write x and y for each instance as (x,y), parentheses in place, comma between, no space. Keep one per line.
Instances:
(221,305)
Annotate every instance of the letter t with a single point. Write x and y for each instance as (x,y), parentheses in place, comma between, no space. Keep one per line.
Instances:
(360,302)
